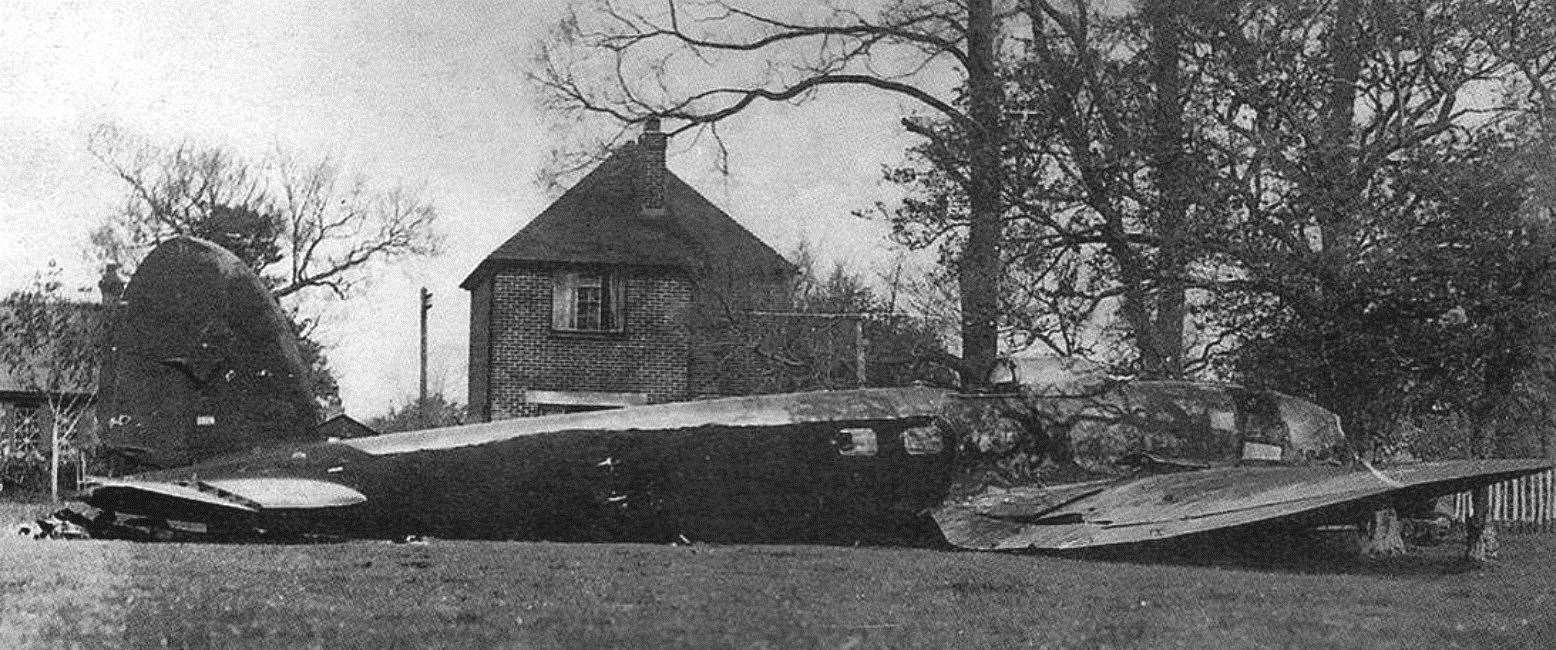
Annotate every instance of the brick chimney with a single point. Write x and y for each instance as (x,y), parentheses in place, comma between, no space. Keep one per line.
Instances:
(111,286)
(651,159)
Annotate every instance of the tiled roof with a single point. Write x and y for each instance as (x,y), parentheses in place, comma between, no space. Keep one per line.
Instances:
(599,221)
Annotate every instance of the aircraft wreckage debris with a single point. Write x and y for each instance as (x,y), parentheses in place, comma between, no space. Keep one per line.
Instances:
(211,415)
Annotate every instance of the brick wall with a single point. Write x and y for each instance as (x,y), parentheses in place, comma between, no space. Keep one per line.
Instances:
(480,351)
(649,356)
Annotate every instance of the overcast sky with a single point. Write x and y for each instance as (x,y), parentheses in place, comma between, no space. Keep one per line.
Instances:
(423,93)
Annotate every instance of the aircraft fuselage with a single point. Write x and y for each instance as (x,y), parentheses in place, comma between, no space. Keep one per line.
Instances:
(801,482)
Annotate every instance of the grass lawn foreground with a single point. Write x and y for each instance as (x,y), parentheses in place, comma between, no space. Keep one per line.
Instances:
(521,594)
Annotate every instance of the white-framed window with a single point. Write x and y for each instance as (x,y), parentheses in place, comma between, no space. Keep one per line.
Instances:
(587,301)
(856,442)
(919,441)
(23,433)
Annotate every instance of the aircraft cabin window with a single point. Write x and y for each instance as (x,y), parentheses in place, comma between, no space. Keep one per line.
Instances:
(919,441)
(1254,450)
(1223,419)
(857,442)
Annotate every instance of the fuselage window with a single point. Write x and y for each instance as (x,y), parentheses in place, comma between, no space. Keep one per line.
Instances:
(857,442)
(1255,450)
(1223,419)
(922,440)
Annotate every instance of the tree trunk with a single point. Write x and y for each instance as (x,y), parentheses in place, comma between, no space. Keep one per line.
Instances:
(1380,535)
(1480,532)
(980,269)
(1334,189)
(1161,344)
(1329,194)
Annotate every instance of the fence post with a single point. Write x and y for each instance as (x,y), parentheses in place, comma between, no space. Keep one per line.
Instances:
(1542,509)
(1546,495)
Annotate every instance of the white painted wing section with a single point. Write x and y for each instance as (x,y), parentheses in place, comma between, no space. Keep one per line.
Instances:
(245,494)
(174,490)
(290,493)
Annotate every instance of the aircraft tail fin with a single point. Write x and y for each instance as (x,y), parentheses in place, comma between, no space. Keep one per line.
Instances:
(201,362)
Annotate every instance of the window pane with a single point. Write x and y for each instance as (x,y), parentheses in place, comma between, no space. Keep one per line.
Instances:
(27,425)
(587,302)
(562,301)
(589,306)
(922,440)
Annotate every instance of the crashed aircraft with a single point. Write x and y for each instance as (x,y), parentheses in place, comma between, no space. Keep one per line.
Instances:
(204,393)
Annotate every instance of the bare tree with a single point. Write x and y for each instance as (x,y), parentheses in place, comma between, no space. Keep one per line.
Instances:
(300,225)
(701,63)
(1108,215)
(1318,114)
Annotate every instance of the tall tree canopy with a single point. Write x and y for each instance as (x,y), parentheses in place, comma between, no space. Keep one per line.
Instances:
(1283,192)
(1365,148)
(1253,189)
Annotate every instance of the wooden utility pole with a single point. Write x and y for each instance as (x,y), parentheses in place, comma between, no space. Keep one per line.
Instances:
(426,306)
(859,343)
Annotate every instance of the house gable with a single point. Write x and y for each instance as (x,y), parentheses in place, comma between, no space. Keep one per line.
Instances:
(591,304)
(601,220)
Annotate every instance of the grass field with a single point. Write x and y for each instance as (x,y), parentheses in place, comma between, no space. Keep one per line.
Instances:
(511,594)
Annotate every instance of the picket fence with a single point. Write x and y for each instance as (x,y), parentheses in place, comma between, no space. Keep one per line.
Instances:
(1527,504)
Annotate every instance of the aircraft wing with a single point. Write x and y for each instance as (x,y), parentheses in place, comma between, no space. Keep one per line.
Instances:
(195,500)
(1169,505)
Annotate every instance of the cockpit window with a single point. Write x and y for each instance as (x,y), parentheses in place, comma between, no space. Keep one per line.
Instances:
(920,441)
(1259,416)
(857,442)
(1223,417)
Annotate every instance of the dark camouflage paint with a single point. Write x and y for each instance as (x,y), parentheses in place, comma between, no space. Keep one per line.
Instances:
(705,482)
(196,334)
(1073,462)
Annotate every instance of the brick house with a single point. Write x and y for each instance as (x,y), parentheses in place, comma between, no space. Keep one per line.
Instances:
(602,300)
(31,410)
(46,386)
